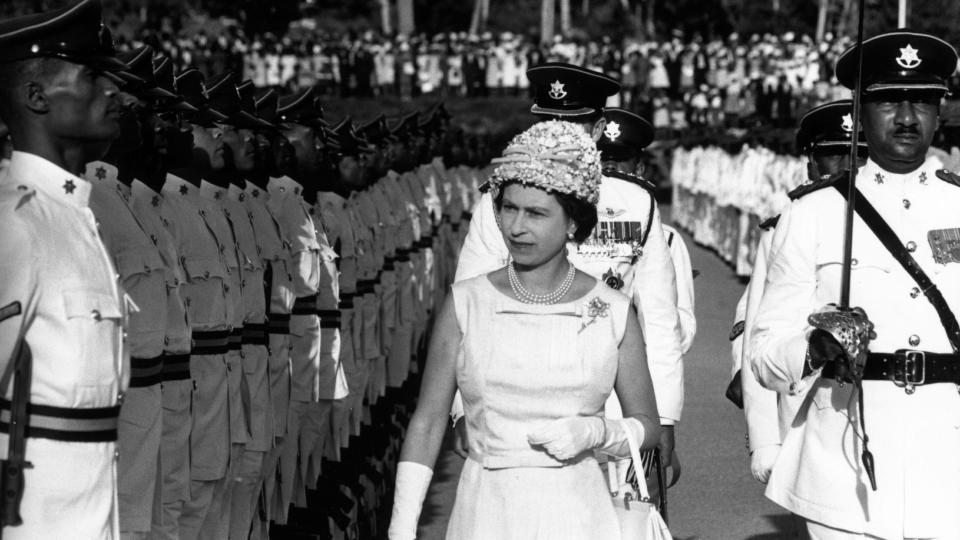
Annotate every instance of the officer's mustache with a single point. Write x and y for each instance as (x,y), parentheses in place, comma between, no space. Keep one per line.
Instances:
(906,130)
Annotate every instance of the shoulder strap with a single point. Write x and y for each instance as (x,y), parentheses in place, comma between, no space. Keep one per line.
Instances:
(892,243)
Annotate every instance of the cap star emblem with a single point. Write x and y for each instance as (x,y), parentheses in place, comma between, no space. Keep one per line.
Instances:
(101,173)
(847,124)
(242,197)
(69,186)
(557,91)
(155,201)
(878,178)
(256,193)
(613,131)
(908,58)
(183,190)
(218,195)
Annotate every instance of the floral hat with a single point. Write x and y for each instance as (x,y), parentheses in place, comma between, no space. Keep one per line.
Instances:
(555,156)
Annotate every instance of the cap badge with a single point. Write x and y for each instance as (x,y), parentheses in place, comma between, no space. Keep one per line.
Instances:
(69,186)
(612,131)
(557,91)
(908,58)
(847,124)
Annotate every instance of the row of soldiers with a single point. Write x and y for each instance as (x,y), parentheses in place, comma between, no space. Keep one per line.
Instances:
(228,286)
(722,197)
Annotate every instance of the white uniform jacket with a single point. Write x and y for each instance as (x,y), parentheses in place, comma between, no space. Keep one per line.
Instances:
(53,262)
(915,438)
(686,300)
(768,413)
(645,273)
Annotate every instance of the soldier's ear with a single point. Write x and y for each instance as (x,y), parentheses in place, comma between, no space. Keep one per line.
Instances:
(34,96)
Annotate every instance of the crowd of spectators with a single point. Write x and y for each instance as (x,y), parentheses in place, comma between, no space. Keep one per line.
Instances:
(676,83)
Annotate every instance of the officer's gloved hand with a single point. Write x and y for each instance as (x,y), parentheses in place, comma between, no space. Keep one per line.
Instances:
(762,461)
(824,348)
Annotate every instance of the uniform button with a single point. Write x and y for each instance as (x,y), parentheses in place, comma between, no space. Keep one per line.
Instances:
(911,246)
(206,274)
(906,203)
(226,288)
(854,262)
(147,269)
(914,292)
(153,238)
(120,397)
(914,340)
(116,455)
(166,341)
(220,247)
(96,315)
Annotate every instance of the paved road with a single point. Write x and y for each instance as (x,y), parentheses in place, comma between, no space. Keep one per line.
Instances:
(716,498)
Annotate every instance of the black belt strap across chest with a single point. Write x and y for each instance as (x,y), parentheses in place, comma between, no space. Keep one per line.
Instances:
(892,243)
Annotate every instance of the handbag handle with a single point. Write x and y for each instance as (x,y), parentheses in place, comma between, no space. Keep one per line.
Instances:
(637,461)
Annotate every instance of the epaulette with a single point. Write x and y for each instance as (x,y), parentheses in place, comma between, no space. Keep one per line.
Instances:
(737,330)
(633,179)
(806,189)
(768,224)
(949,177)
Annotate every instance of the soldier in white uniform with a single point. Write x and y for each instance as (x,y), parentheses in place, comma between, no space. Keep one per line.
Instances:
(824,136)
(60,301)
(643,264)
(906,279)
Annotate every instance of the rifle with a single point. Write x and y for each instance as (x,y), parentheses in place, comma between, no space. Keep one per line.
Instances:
(11,469)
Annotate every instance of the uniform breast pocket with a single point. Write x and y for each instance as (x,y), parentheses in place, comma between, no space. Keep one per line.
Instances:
(93,322)
(205,293)
(869,275)
(144,277)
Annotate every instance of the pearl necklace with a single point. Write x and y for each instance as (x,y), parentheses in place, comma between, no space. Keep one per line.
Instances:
(528,297)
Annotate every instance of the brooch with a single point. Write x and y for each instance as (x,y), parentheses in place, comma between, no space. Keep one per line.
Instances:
(595,309)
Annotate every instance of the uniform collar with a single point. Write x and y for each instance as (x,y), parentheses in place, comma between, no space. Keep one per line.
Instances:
(179,186)
(211,191)
(107,176)
(43,175)
(257,192)
(144,192)
(871,174)
(285,185)
(331,198)
(235,193)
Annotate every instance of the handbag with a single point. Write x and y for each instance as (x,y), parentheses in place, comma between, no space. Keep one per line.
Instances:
(638,516)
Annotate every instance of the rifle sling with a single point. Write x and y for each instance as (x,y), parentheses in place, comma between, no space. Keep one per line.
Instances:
(892,243)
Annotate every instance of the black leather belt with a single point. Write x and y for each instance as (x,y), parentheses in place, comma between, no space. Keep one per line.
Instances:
(466,216)
(388,264)
(329,318)
(64,424)
(235,341)
(176,367)
(255,334)
(278,323)
(146,372)
(214,342)
(305,305)
(366,286)
(346,300)
(908,368)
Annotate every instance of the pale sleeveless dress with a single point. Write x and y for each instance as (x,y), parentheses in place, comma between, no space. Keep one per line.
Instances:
(519,367)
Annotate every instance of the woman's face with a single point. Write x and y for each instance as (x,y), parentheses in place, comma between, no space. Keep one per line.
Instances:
(533,224)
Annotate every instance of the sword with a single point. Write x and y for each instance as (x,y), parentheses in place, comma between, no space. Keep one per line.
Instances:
(853,317)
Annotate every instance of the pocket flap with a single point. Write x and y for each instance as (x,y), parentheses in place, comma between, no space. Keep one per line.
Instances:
(204,268)
(138,261)
(90,304)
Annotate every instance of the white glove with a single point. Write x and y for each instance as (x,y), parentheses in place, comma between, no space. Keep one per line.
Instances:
(413,480)
(762,461)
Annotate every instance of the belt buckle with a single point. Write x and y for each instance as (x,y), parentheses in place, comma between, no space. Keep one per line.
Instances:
(914,370)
